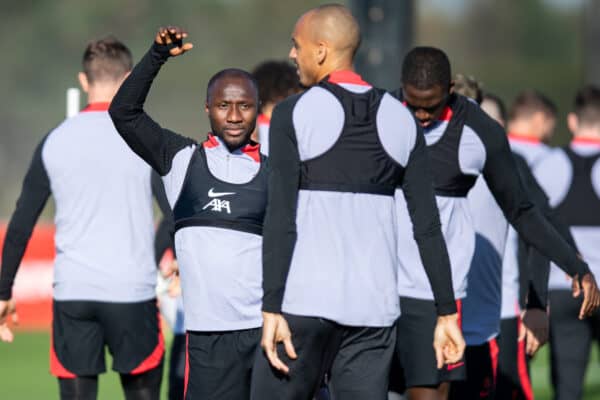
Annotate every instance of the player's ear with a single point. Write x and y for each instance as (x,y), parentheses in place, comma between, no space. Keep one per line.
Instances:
(322,51)
(206,106)
(83,81)
(572,122)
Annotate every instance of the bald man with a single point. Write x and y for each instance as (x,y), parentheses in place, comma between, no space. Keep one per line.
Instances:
(337,152)
(217,190)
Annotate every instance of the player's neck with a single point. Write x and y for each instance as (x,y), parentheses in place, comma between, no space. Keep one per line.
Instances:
(524,129)
(341,64)
(101,94)
(587,133)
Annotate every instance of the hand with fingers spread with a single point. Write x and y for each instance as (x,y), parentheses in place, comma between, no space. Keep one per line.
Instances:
(7,308)
(591,295)
(534,329)
(276,330)
(448,340)
(173,37)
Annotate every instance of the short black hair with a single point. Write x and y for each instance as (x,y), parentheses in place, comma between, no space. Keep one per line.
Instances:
(498,102)
(529,102)
(276,81)
(587,105)
(106,59)
(230,73)
(425,67)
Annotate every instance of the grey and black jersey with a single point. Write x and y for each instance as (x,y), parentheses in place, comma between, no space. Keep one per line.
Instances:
(480,147)
(337,153)
(571,178)
(217,239)
(104,218)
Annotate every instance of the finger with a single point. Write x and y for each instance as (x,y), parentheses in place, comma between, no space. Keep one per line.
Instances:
(522,332)
(439,355)
(584,310)
(276,362)
(452,355)
(289,348)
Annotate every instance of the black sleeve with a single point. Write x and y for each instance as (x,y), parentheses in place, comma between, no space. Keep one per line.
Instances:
(422,208)
(34,194)
(502,177)
(533,265)
(279,227)
(157,146)
(163,239)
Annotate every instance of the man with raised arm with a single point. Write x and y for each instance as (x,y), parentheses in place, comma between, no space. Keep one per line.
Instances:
(218,192)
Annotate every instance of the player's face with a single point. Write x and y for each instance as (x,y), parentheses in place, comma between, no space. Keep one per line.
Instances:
(304,53)
(426,104)
(232,110)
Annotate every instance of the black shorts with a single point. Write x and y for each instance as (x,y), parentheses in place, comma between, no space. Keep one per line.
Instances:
(571,340)
(482,366)
(414,348)
(513,371)
(219,364)
(356,360)
(81,329)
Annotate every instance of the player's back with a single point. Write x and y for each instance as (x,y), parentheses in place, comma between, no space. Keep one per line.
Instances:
(104,219)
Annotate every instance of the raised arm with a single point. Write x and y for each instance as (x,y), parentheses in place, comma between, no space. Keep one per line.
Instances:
(156,145)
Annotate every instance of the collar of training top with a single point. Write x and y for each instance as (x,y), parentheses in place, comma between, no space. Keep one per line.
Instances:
(586,141)
(263,119)
(522,137)
(101,106)
(251,149)
(347,77)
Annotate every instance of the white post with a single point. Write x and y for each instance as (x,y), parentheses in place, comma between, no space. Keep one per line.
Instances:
(72,102)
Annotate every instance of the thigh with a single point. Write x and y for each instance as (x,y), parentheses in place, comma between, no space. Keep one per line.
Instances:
(481,363)
(414,346)
(133,334)
(177,367)
(570,340)
(362,365)
(316,340)
(219,364)
(508,371)
(79,388)
(77,345)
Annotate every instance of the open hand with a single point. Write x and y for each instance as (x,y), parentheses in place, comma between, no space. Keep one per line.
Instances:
(534,330)
(276,330)
(173,35)
(7,308)
(591,296)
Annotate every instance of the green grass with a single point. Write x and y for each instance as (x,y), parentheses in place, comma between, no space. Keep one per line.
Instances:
(24,372)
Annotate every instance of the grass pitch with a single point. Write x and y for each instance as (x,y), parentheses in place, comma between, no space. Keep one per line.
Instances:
(24,372)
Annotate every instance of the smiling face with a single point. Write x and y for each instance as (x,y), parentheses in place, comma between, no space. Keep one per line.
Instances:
(232,109)
(428,104)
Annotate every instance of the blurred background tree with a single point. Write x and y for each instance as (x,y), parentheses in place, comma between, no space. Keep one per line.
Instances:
(508,45)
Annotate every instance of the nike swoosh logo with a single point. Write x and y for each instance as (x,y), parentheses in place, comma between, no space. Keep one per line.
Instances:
(212,193)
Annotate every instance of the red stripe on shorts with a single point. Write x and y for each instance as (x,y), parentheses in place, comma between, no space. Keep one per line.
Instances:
(56,367)
(187,365)
(155,358)
(522,366)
